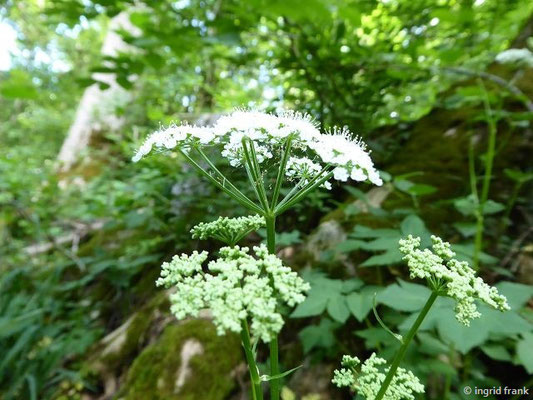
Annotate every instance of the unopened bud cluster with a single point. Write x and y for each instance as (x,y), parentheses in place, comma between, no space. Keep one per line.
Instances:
(237,287)
(368,380)
(228,230)
(455,278)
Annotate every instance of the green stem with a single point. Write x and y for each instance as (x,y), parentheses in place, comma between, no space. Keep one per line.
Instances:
(257,392)
(478,240)
(491,152)
(281,171)
(298,188)
(245,202)
(489,161)
(225,181)
(254,172)
(511,202)
(315,182)
(448,382)
(271,233)
(401,352)
(274,356)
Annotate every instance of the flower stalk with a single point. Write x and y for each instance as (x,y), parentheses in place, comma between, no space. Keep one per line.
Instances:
(274,350)
(489,161)
(400,354)
(257,391)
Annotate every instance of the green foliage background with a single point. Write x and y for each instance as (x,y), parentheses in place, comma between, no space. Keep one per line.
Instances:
(416,79)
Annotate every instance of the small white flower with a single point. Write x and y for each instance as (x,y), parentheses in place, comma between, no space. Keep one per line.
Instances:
(311,150)
(340,174)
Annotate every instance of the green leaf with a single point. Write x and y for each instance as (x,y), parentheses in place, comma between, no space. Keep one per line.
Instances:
(363,232)
(384,243)
(462,337)
(442,305)
(314,10)
(491,324)
(375,337)
(524,352)
(407,297)
(403,185)
(390,257)
(351,285)
(518,176)
(350,245)
(506,323)
(32,386)
(439,367)
(18,86)
(496,352)
(518,294)
(11,325)
(413,225)
(357,193)
(467,229)
(140,19)
(285,239)
(492,207)
(322,289)
(351,13)
(465,252)
(337,308)
(429,344)
(421,190)
(360,303)
(314,304)
(23,341)
(318,335)
(466,205)
(267,378)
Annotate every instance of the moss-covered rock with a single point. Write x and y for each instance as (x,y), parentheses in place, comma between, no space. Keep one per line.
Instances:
(188,362)
(121,346)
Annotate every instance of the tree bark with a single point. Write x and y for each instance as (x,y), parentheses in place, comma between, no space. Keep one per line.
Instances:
(95,110)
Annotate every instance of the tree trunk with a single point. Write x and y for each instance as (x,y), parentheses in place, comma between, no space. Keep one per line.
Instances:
(96,108)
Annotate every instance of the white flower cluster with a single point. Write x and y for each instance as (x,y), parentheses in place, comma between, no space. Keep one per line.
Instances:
(228,230)
(456,278)
(237,287)
(183,135)
(521,57)
(369,379)
(311,150)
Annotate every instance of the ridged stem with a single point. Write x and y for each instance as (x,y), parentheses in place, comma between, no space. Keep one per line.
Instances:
(274,356)
(407,339)
(257,392)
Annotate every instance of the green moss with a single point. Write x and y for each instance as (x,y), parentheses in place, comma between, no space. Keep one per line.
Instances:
(154,372)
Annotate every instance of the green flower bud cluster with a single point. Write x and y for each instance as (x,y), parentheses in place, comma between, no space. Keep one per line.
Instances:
(454,278)
(368,380)
(237,287)
(228,230)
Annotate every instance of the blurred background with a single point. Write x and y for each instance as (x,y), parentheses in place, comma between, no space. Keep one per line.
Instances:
(442,92)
